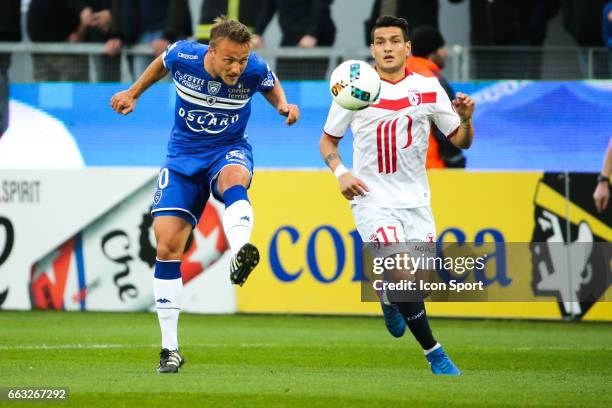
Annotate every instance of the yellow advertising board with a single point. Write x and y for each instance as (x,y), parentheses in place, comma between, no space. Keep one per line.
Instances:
(311,251)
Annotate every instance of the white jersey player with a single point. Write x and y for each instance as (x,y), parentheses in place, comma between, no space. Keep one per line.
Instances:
(388,189)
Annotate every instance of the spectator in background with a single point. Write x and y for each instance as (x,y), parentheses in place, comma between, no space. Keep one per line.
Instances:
(74,21)
(428,57)
(10,30)
(579,17)
(607,25)
(416,12)
(245,11)
(59,21)
(520,23)
(98,30)
(154,22)
(305,24)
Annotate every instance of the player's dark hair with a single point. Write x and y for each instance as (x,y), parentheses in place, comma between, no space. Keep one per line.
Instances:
(391,21)
(233,30)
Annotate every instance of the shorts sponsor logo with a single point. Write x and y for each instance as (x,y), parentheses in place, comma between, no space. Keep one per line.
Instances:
(200,120)
(235,154)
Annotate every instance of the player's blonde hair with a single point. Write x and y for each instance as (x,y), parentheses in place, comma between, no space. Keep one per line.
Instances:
(233,30)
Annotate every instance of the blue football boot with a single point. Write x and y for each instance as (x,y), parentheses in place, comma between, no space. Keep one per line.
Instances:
(396,325)
(440,363)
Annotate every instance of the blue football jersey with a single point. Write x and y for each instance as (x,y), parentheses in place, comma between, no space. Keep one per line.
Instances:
(209,113)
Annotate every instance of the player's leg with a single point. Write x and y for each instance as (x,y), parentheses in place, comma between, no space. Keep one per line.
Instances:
(229,179)
(419,228)
(177,204)
(171,233)
(382,233)
(231,184)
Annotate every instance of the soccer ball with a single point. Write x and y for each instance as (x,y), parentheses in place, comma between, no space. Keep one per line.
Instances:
(354,85)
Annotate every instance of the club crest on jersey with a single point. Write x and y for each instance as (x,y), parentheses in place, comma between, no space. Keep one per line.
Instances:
(200,120)
(414,98)
(157,196)
(214,87)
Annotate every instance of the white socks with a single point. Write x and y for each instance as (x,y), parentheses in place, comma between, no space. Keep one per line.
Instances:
(238,224)
(434,348)
(168,300)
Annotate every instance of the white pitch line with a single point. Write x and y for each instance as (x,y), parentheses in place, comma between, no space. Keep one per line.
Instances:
(190,346)
(73,346)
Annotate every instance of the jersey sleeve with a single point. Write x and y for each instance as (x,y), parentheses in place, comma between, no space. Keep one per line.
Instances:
(338,120)
(171,53)
(267,77)
(444,115)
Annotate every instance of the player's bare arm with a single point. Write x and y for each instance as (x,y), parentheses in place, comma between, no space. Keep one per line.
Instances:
(601,196)
(350,186)
(124,102)
(276,97)
(464,106)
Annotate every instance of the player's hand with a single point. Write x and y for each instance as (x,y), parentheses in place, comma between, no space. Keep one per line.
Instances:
(123,102)
(464,106)
(351,186)
(292,112)
(602,196)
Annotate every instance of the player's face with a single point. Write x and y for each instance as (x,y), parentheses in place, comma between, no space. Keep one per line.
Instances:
(229,59)
(390,49)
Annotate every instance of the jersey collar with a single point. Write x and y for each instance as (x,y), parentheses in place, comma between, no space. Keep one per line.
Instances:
(407,73)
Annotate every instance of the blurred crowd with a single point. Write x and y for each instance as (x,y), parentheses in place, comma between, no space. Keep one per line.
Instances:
(303,23)
(154,24)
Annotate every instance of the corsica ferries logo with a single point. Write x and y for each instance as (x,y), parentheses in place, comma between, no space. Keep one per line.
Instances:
(570,250)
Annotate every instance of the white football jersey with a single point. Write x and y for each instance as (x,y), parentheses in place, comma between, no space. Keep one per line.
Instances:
(390,139)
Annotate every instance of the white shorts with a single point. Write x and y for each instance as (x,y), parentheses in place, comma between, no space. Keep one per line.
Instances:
(393,227)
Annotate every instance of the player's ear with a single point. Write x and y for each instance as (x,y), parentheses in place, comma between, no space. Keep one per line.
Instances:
(408,47)
(372,49)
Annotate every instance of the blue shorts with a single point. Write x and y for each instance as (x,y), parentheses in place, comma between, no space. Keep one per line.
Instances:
(186,182)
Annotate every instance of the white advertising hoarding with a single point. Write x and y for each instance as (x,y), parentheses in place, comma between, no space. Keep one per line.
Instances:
(83,240)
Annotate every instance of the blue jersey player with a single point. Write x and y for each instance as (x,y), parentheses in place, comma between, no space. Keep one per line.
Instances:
(207,154)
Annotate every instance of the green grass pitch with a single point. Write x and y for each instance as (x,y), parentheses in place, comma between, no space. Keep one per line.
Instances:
(109,359)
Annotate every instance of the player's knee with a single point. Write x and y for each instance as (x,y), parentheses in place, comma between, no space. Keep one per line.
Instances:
(233,178)
(169,249)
